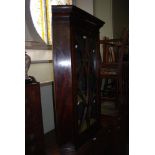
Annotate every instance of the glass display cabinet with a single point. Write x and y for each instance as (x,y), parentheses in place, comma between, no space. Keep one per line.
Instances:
(76,74)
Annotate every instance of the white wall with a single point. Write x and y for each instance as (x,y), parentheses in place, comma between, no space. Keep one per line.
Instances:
(28,36)
(103,11)
(41,67)
(86,5)
(120,16)
(42,72)
(47,107)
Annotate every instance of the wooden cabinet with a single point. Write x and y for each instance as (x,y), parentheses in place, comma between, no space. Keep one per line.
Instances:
(34,137)
(76,74)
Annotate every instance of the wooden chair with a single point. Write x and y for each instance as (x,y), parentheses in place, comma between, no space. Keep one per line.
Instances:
(111,72)
(114,74)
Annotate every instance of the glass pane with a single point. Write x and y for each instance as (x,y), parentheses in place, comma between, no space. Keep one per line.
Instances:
(86,82)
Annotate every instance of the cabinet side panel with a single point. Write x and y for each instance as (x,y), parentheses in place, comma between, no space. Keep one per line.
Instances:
(63,79)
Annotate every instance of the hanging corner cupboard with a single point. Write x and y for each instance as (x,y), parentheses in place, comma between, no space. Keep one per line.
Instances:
(76,74)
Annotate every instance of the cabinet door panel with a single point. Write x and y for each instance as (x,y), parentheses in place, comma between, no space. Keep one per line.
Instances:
(86,81)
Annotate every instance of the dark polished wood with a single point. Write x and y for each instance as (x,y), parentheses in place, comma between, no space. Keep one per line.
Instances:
(76,74)
(34,136)
(109,141)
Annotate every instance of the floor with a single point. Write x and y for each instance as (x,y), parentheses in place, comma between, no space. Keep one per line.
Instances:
(112,140)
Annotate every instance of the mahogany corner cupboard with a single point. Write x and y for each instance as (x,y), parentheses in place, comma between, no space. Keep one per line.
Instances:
(76,74)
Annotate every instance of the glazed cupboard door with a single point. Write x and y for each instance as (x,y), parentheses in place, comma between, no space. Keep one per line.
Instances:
(87,108)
